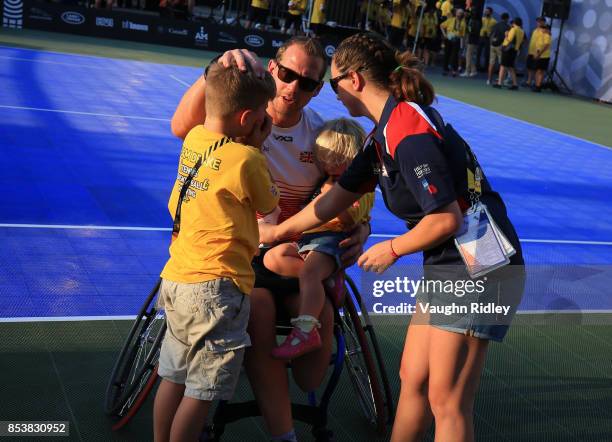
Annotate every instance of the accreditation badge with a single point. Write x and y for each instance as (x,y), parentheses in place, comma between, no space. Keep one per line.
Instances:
(481,244)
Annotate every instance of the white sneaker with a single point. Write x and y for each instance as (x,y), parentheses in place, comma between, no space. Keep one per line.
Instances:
(464,75)
(473,74)
(488,82)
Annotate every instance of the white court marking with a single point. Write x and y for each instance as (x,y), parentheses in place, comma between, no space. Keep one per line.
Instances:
(38,109)
(167,229)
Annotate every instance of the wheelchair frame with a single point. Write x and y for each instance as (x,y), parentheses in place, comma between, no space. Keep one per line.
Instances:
(134,375)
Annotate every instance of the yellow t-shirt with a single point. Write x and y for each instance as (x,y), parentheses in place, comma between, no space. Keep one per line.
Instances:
(539,39)
(430,25)
(318,12)
(359,212)
(218,234)
(454,28)
(515,35)
(400,14)
(487,25)
(297,7)
(261,4)
(445,7)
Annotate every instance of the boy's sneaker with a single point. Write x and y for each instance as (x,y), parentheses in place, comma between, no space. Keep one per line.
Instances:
(514,87)
(297,343)
(496,85)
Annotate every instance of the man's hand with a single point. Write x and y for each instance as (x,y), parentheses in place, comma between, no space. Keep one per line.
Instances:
(354,244)
(244,59)
(261,130)
(377,258)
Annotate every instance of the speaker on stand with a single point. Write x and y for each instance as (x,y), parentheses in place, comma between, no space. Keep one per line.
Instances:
(556,10)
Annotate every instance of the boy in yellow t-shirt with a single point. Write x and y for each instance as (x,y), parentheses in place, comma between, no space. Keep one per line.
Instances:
(208,276)
(316,255)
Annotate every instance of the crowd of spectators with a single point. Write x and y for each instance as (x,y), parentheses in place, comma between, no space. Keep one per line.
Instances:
(449,33)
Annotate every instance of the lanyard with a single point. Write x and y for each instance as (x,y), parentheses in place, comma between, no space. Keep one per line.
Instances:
(176,227)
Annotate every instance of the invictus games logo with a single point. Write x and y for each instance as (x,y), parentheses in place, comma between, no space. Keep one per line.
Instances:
(12,14)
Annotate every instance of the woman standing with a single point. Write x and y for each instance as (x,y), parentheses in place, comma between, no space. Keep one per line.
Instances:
(422,176)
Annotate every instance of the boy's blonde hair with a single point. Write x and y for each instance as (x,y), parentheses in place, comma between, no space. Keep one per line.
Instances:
(338,142)
(229,91)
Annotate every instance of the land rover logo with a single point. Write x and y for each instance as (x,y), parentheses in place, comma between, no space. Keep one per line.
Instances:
(73,18)
(254,40)
(329,50)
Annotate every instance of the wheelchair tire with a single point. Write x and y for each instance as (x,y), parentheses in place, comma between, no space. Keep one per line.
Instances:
(362,369)
(135,372)
(369,329)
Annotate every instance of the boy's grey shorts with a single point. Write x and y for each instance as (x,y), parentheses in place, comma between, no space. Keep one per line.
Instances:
(206,336)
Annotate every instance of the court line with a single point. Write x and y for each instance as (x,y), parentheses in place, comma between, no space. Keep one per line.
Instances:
(574,137)
(132,317)
(180,81)
(167,229)
(53,62)
(128,117)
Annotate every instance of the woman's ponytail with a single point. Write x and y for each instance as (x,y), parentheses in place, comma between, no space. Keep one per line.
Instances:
(407,81)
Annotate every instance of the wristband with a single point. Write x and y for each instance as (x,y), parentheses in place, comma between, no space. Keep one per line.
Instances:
(395,255)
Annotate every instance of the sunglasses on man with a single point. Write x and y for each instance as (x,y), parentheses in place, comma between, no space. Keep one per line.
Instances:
(306,84)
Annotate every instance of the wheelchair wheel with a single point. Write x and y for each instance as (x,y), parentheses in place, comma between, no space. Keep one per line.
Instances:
(135,372)
(361,368)
(369,331)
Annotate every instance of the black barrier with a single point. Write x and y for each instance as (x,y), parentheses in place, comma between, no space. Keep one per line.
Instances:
(148,28)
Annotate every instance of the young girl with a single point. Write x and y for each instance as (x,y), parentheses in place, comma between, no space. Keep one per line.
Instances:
(316,255)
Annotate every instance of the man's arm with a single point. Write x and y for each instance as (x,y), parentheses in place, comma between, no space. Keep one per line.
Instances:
(191,111)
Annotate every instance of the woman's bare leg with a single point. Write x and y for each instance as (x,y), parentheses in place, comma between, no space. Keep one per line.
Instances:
(413,416)
(456,362)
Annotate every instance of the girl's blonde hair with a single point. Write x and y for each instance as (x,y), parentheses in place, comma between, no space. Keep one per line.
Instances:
(338,142)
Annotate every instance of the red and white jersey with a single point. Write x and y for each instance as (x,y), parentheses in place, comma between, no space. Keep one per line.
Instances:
(289,151)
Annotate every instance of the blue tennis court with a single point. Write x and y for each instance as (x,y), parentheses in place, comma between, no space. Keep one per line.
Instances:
(88,162)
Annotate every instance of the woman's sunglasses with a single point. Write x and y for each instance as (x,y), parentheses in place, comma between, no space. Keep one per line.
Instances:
(306,84)
(333,82)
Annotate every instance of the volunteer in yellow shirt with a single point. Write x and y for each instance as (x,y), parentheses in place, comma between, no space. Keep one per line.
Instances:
(317,17)
(510,48)
(453,30)
(293,17)
(258,12)
(539,51)
(488,21)
(431,42)
(396,29)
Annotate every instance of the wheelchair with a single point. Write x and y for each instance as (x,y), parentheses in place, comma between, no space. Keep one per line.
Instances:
(134,375)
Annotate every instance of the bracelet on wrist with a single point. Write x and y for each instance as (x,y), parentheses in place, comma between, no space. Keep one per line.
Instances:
(395,255)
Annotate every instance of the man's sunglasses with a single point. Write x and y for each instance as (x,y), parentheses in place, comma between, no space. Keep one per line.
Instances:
(306,84)
(333,82)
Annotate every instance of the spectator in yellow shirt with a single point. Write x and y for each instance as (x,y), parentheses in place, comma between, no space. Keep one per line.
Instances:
(399,17)
(220,185)
(510,48)
(538,43)
(453,30)
(293,17)
(431,42)
(317,17)
(488,21)
(446,8)
(542,57)
(258,13)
